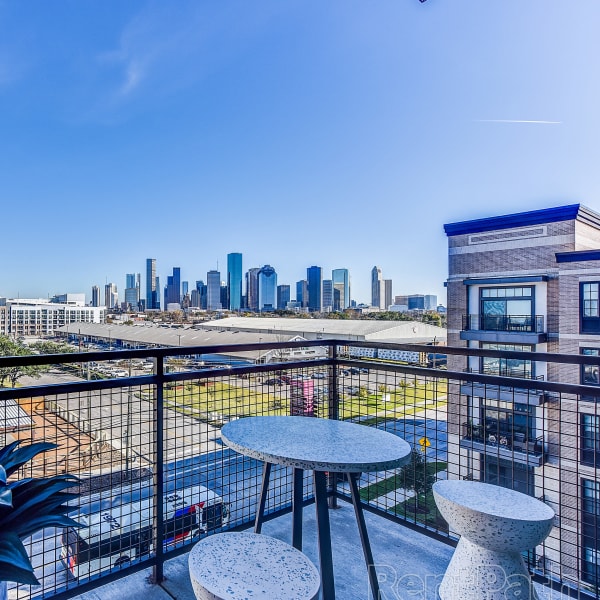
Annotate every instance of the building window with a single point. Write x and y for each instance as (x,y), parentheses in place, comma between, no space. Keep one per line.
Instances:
(590,374)
(590,439)
(507,309)
(508,424)
(590,515)
(508,474)
(589,307)
(507,367)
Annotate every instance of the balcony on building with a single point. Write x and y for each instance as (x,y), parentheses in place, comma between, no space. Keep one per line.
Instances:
(508,445)
(513,393)
(517,329)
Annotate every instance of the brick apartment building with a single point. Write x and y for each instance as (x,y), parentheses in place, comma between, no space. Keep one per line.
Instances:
(530,282)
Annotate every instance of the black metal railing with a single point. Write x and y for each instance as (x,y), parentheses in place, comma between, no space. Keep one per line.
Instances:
(152,433)
(508,323)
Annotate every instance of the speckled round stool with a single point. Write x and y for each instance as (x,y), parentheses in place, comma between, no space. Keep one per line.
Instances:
(240,566)
(495,524)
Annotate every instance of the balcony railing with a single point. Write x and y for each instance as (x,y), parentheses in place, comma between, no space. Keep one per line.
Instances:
(139,425)
(507,323)
(508,445)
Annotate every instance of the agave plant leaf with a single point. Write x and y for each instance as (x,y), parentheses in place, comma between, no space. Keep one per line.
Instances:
(25,492)
(36,497)
(2,475)
(19,456)
(14,562)
(6,451)
(5,498)
(46,507)
(36,523)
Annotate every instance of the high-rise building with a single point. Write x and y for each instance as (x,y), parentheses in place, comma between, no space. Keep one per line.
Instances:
(327,295)
(431,302)
(283,296)
(184,288)
(198,296)
(173,288)
(386,294)
(314,276)
(213,291)
(95,295)
(111,297)
(267,289)
(224,295)
(302,293)
(341,289)
(234,281)
(376,279)
(152,285)
(252,288)
(132,291)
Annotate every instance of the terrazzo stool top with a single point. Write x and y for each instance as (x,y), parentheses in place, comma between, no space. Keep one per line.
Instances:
(250,566)
(316,444)
(493,516)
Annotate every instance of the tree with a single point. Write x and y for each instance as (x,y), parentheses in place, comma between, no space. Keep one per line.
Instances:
(10,347)
(416,476)
(45,347)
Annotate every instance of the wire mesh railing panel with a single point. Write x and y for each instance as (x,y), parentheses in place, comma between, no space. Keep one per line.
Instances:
(133,426)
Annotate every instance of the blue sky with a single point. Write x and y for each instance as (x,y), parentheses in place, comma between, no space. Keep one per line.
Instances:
(340,133)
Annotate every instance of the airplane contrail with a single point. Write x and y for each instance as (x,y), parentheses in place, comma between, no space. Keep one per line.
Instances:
(518,121)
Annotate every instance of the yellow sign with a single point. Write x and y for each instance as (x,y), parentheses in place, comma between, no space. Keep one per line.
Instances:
(424,443)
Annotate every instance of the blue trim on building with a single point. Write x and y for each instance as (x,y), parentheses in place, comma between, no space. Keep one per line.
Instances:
(577,256)
(506,280)
(533,217)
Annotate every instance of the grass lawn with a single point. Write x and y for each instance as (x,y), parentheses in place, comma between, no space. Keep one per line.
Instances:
(207,398)
(403,400)
(389,484)
(425,512)
(201,399)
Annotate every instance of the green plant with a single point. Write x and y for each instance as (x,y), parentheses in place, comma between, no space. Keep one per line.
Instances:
(26,506)
(416,476)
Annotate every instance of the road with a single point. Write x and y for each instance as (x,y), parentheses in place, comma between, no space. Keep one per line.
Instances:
(234,477)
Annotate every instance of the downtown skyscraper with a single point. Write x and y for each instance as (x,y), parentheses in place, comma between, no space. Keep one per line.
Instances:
(213,290)
(267,289)
(173,288)
(314,276)
(152,285)
(341,289)
(234,281)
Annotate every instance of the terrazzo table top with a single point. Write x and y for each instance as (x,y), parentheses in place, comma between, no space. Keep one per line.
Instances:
(316,444)
(248,565)
(493,500)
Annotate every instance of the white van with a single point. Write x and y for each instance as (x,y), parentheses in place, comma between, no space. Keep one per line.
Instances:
(117,526)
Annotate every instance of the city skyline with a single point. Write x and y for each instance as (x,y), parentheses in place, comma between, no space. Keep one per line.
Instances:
(296,133)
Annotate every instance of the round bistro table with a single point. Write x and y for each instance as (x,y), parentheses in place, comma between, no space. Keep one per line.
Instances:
(321,446)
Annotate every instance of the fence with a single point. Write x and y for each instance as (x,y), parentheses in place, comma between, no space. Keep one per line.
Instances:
(142,425)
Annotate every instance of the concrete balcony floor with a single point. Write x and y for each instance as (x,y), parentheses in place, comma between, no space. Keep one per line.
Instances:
(411,563)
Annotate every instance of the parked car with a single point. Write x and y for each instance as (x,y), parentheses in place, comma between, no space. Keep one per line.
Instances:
(319,375)
(274,381)
(354,371)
